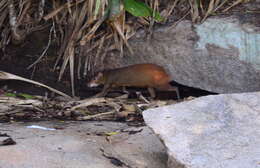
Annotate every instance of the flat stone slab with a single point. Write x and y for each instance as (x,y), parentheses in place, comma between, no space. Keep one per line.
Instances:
(220,131)
(81,145)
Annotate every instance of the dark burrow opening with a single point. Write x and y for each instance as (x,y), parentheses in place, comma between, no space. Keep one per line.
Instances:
(83,91)
(185,92)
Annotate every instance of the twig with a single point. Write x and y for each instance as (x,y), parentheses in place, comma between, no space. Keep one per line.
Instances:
(56,11)
(45,50)
(99,50)
(88,102)
(178,21)
(96,115)
(140,96)
(23,12)
(41,9)
(15,101)
(13,21)
(172,6)
(118,161)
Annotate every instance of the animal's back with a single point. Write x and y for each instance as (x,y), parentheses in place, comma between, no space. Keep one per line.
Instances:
(139,75)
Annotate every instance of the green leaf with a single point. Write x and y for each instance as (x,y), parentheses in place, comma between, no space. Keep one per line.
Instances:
(97,7)
(198,2)
(10,94)
(111,133)
(26,96)
(137,8)
(21,95)
(114,8)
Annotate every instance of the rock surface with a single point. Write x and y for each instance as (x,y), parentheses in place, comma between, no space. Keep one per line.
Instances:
(219,131)
(79,145)
(221,55)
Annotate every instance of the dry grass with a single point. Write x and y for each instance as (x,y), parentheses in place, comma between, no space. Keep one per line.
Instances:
(78,26)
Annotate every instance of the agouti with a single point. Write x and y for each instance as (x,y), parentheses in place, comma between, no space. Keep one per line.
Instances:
(149,76)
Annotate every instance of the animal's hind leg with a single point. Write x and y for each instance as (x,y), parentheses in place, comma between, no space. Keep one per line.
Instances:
(151,92)
(168,87)
(177,92)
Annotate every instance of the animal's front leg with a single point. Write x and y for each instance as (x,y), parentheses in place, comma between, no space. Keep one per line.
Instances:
(103,92)
(124,90)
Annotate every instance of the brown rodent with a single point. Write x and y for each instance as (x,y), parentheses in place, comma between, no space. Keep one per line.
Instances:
(149,76)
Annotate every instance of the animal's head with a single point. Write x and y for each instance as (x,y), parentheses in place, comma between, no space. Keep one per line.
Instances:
(97,80)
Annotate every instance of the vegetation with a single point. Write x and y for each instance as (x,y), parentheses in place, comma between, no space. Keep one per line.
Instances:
(87,29)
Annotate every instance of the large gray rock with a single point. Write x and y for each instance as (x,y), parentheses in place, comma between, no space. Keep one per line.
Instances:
(219,131)
(221,55)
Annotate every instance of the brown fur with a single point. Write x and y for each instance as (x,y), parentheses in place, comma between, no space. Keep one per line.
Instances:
(138,75)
